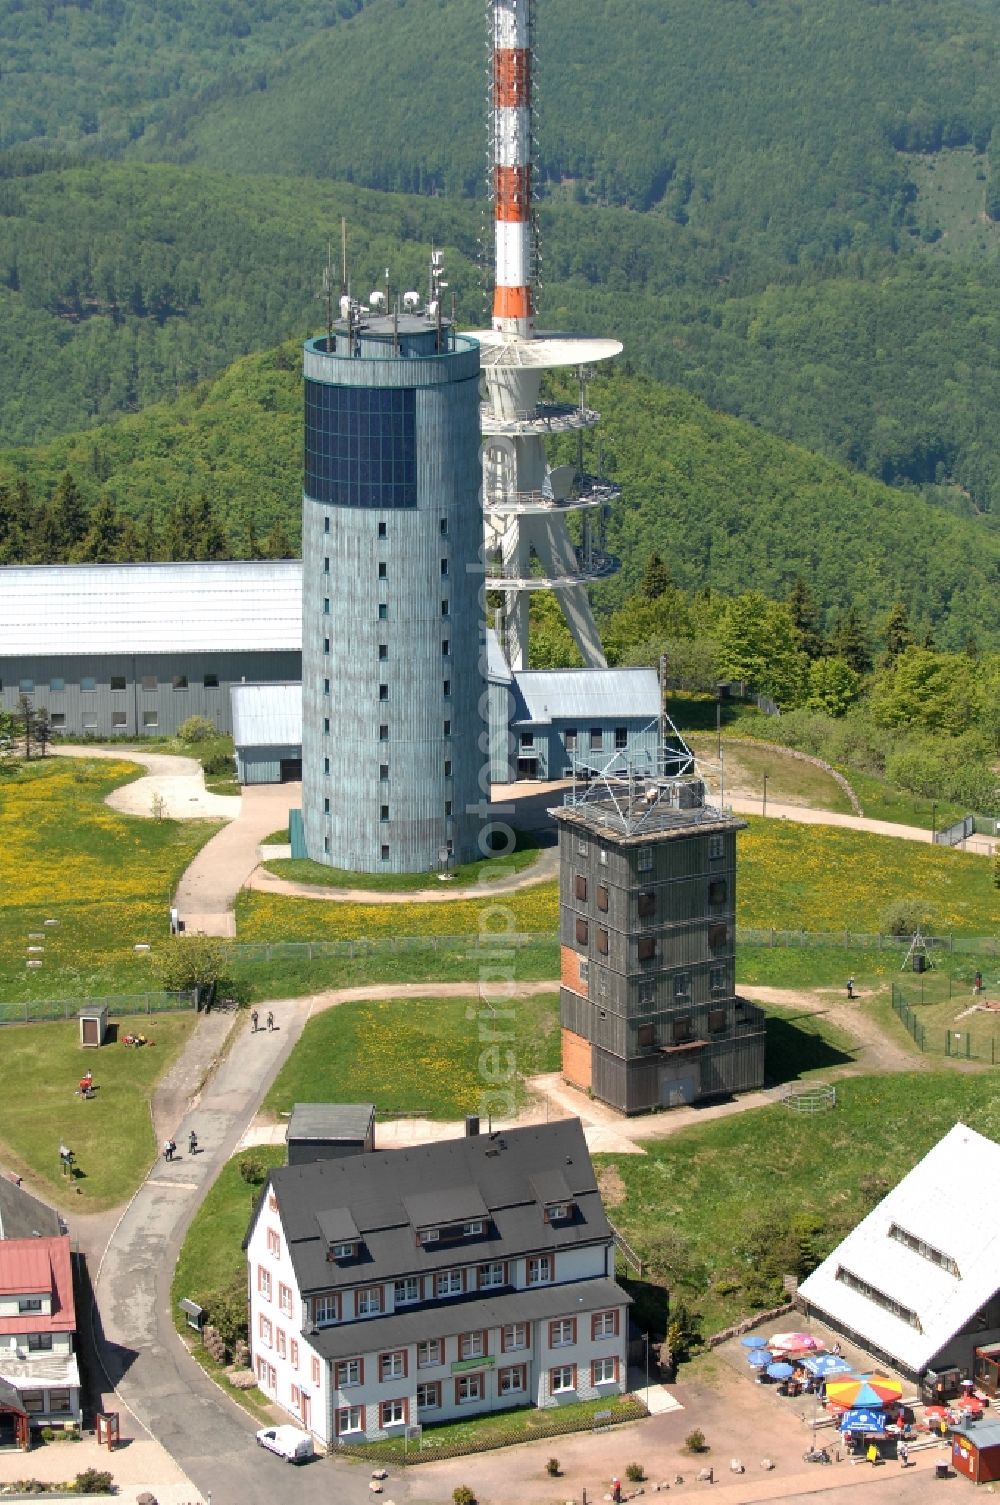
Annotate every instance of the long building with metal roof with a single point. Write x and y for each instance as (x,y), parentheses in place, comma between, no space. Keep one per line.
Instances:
(135,649)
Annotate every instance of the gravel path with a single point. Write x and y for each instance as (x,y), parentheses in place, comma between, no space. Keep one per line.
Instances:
(179,782)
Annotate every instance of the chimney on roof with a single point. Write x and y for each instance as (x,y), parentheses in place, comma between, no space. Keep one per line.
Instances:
(471,1125)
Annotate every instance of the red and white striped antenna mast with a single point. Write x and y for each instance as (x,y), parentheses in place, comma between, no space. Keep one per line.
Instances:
(527,500)
(512,166)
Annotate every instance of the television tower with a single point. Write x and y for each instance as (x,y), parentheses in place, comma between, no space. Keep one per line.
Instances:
(526,501)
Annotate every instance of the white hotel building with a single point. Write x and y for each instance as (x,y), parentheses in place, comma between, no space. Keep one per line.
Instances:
(437,1282)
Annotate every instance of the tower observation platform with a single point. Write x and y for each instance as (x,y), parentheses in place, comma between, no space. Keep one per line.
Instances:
(527,501)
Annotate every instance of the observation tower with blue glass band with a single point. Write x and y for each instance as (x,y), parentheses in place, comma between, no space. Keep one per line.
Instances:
(391,612)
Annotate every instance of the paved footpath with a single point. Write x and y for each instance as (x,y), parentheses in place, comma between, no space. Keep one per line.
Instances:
(207,1435)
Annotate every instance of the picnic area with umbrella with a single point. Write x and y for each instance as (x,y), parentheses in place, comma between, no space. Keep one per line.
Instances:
(863,1390)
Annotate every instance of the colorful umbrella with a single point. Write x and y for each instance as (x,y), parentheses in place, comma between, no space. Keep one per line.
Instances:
(823,1364)
(796,1343)
(780,1371)
(759,1358)
(754,1340)
(863,1390)
(863,1419)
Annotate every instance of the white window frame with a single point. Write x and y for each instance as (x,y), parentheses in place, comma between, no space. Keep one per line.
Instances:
(326,1310)
(605,1324)
(398,1416)
(507,1376)
(353,1420)
(556,1378)
(285,1298)
(472,1345)
(562,1333)
(364,1300)
(392,1366)
(430,1390)
(343,1251)
(486,1273)
(605,1371)
(264,1282)
(265,1331)
(534,1268)
(469,1389)
(406,1291)
(432,1347)
(445,1283)
(516,1343)
(471,1230)
(348,1373)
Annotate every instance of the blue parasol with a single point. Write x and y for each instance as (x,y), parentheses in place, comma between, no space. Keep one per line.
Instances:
(754,1340)
(863,1419)
(822,1364)
(780,1371)
(759,1358)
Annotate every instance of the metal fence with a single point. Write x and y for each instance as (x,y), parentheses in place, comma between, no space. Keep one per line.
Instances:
(35,1010)
(960,830)
(382,945)
(942,1039)
(854,940)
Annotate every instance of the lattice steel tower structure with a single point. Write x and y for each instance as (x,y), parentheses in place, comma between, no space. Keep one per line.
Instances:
(526,501)
(391,572)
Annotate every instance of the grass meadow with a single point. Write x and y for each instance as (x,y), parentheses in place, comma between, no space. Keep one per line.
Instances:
(488,869)
(721,1211)
(105,878)
(419,1055)
(111,1133)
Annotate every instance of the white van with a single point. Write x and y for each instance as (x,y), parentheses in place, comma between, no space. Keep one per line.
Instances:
(287,1442)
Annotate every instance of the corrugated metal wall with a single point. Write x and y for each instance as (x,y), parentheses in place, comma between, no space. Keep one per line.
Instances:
(430,747)
(147,704)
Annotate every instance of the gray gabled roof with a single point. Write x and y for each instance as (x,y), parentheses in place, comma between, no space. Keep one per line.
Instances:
(375,1186)
(24,1216)
(585,695)
(443,1319)
(227,606)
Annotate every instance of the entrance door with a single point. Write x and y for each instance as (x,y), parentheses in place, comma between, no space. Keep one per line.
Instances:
(291,770)
(527,768)
(678,1091)
(90,1032)
(306,1412)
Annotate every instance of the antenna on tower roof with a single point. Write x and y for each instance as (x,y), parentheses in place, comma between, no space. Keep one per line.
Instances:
(328,297)
(344,283)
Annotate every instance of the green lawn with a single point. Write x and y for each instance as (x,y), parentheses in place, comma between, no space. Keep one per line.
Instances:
(411,1055)
(723,1210)
(881,801)
(212,1262)
(301,870)
(789,780)
(106,879)
(830,878)
(801,1044)
(111,1133)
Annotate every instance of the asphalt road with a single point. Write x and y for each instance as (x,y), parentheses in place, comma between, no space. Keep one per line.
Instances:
(207,1434)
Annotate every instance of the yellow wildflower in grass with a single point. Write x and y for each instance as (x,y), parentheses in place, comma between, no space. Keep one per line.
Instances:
(107,878)
(828,878)
(266,917)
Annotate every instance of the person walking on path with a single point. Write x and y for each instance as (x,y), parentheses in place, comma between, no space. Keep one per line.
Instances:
(168,1149)
(978,985)
(850,987)
(254,1016)
(903,1454)
(270,1020)
(192,1143)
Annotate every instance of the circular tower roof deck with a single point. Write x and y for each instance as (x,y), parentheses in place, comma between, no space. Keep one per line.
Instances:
(545,352)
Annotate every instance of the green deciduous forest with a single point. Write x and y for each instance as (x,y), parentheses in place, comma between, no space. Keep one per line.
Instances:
(784,210)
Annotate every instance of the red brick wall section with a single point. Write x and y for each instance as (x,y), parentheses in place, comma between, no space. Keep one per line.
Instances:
(576,1058)
(569,971)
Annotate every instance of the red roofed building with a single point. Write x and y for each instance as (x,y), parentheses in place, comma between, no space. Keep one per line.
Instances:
(39,1377)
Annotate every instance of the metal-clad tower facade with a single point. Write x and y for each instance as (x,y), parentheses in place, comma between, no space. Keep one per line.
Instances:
(391,619)
(526,501)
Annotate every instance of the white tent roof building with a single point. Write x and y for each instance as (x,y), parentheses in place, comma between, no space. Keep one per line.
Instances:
(918,1280)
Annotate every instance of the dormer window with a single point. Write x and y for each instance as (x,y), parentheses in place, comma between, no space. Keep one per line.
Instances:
(557,1212)
(340,1232)
(472,1230)
(344,1251)
(430,1235)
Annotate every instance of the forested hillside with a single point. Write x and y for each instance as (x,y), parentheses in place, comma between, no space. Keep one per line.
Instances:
(727,507)
(121,284)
